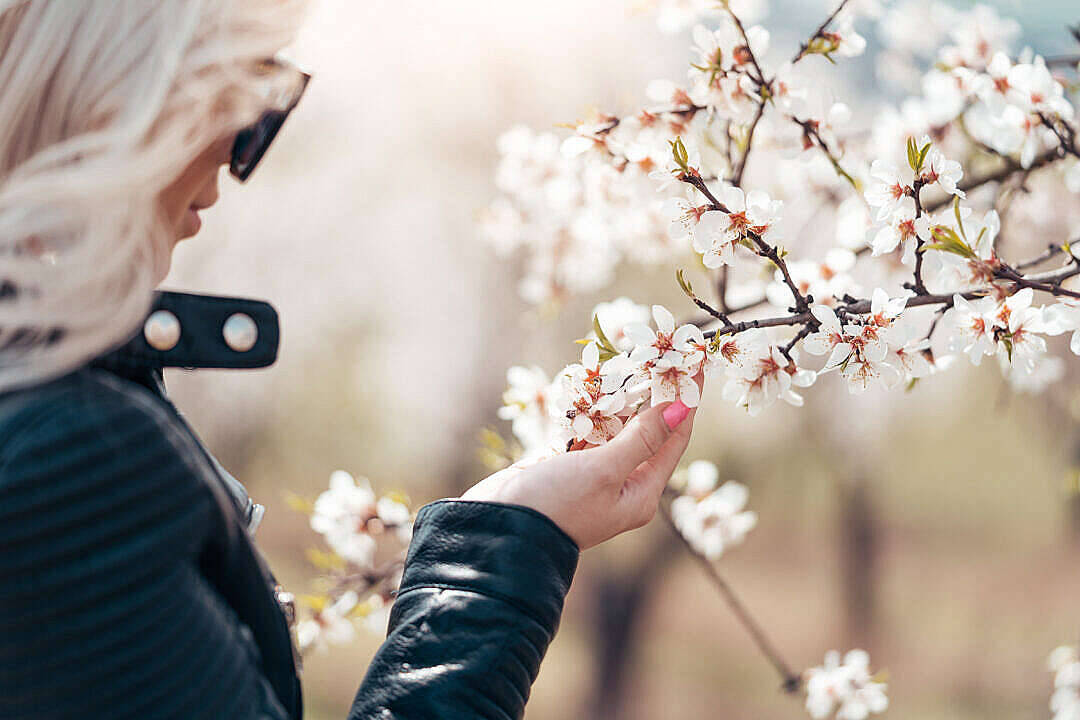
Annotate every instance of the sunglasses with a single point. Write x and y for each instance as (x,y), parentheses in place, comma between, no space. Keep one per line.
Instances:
(253,141)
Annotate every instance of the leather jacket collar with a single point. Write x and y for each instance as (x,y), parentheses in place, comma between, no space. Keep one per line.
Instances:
(202,342)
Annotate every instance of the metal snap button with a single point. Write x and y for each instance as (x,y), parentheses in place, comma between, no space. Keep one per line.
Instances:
(162,330)
(240,332)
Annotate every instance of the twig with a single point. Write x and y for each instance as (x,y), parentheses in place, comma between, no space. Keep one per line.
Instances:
(736,178)
(802,302)
(764,249)
(718,314)
(940,313)
(1067,138)
(996,176)
(1047,254)
(807,329)
(760,79)
(916,194)
(1066,60)
(721,289)
(810,129)
(805,47)
(1053,287)
(791,681)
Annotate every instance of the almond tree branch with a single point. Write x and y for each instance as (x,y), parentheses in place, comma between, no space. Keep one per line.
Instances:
(736,178)
(813,136)
(1051,251)
(977,181)
(764,249)
(760,79)
(1063,60)
(1005,172)
(721,289)
(791,683)
(1063,131)
(805,47)
(1044,282)
(916,194)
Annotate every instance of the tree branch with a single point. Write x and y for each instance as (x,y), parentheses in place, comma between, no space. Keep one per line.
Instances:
(810,130)
(764,249)
(916,194)
(790,681)
(1002,173)
(805,47)
(760,79)
(1044,282)
(736,178)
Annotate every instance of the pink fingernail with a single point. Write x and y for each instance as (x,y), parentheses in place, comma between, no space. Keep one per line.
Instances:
(675,413)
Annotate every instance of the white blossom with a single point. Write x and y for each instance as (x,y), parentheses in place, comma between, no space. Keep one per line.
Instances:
(1065,665)
(342,515)
(969,325)
(330,625)
(718,232)
(888,189)
(713,520)
(845,688)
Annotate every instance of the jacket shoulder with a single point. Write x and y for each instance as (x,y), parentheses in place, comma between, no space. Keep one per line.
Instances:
(92,444)
(82,407)
(23,409)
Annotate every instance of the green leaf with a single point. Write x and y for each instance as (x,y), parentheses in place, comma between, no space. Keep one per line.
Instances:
(959,220)
(912,155)
(922,155)
(604,343)
(606,354)
(679,154)
(325,560)
(298,503)
(946,240)
(317,603)
(911,384)
(492,440)
(685,284)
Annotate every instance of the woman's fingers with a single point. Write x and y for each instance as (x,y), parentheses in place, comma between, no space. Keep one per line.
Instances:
(645,485)
(642,438)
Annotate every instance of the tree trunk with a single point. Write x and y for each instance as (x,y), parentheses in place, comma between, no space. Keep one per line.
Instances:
(619,599)
(858,562)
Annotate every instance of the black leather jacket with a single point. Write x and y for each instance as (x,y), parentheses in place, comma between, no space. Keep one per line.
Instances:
(130,586)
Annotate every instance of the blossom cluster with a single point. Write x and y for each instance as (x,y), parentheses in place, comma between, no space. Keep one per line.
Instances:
(844,688)
(711,518)
(576,216)
(587,403)
(1064,663)
(366,537)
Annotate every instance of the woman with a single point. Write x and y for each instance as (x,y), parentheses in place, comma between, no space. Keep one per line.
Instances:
(129,583)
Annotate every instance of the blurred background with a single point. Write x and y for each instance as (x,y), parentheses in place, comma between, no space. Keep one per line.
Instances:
(937,529)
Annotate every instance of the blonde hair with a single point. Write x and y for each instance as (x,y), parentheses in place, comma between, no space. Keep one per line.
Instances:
(103,103)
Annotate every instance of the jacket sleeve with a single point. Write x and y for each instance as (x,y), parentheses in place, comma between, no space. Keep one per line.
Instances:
(480,600)
(103,609)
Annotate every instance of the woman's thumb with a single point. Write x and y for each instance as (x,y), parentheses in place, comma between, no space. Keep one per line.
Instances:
(643,436)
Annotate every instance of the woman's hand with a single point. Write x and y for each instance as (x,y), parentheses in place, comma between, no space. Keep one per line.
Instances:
(595,494)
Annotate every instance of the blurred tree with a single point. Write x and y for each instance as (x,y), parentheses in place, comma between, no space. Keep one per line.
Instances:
(859,554)
(620,596)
